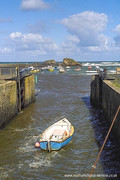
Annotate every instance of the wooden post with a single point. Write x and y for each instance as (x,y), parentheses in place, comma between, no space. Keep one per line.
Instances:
(11,72)
(19,88)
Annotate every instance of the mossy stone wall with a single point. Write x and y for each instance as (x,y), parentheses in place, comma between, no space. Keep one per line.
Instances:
(8,102)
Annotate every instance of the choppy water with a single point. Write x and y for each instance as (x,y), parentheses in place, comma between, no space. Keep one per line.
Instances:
(61,95)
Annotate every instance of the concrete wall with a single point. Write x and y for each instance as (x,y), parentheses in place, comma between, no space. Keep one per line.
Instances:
(96,93)
(105,95)
(110,103)
(8,102)
(29,84)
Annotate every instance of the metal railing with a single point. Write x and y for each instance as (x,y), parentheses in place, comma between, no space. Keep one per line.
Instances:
(9,73)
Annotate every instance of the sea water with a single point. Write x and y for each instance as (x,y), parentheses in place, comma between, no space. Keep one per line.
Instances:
(61,95)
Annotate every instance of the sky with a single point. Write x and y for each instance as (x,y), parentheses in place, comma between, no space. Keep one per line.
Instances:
(39,30)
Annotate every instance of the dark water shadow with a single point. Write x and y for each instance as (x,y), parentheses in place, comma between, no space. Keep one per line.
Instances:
(110,156)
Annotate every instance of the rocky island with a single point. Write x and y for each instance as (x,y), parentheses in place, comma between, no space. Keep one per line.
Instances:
(70,62)
(50,62)
(66,62)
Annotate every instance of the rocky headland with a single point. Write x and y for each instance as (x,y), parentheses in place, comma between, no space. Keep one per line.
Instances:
(70,62)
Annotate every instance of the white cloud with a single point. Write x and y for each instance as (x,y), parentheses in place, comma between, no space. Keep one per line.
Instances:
(71,44)
(5,50)
(73,39)
(34,5)
(117,29)
(117,37)
(87,26)
(32,43)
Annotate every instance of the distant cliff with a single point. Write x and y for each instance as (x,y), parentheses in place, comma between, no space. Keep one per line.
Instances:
(49,62)
(70,62)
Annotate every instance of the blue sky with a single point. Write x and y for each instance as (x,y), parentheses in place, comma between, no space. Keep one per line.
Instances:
(38,30)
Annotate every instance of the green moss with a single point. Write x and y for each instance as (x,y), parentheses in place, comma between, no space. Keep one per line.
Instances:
(117,84)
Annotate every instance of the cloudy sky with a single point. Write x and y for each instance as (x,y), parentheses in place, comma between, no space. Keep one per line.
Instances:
(38,30)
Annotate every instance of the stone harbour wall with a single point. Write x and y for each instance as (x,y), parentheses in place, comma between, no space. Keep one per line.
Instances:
(8,102)
(9,98)
(110,103)
(29,83)
(106,96)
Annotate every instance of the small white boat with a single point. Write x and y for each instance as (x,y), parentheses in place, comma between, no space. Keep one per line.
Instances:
(33,70)
(56,136)
(61,70)
(77,69)
(68,67)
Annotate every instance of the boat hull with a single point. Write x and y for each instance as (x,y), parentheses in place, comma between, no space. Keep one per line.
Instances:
(54,145)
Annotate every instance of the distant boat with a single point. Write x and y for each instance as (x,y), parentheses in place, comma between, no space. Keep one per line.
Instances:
(43,68)
(77,69)
(56,136)
(89,67)
(68,67)
(61,70)
(33,70)
(51,69)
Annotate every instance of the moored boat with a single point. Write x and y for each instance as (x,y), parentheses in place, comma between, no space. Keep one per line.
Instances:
(77,69)
(61,70)
(89,67)
(56,136)
(34,71)
(68,67)
(51,69)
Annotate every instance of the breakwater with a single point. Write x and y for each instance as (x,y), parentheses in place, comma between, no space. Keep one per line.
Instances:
(105,95)
(15,94)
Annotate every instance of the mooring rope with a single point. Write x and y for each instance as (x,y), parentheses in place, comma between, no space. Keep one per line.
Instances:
(94,166)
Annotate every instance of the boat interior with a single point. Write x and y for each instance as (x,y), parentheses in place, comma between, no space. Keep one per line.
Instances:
(58,131)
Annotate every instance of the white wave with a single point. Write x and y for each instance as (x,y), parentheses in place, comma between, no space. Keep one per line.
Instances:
(89,74)
(4,172)
(40,161)
(111,72)
(85,64)
(91,64)
(3,175)
(101,64)
(33,119)
(29,128)
(44,160)
(19,130)
(110,64)
(20,165)
(91,71)
(27,145)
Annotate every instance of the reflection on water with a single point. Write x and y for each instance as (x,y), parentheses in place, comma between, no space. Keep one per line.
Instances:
(60,96)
